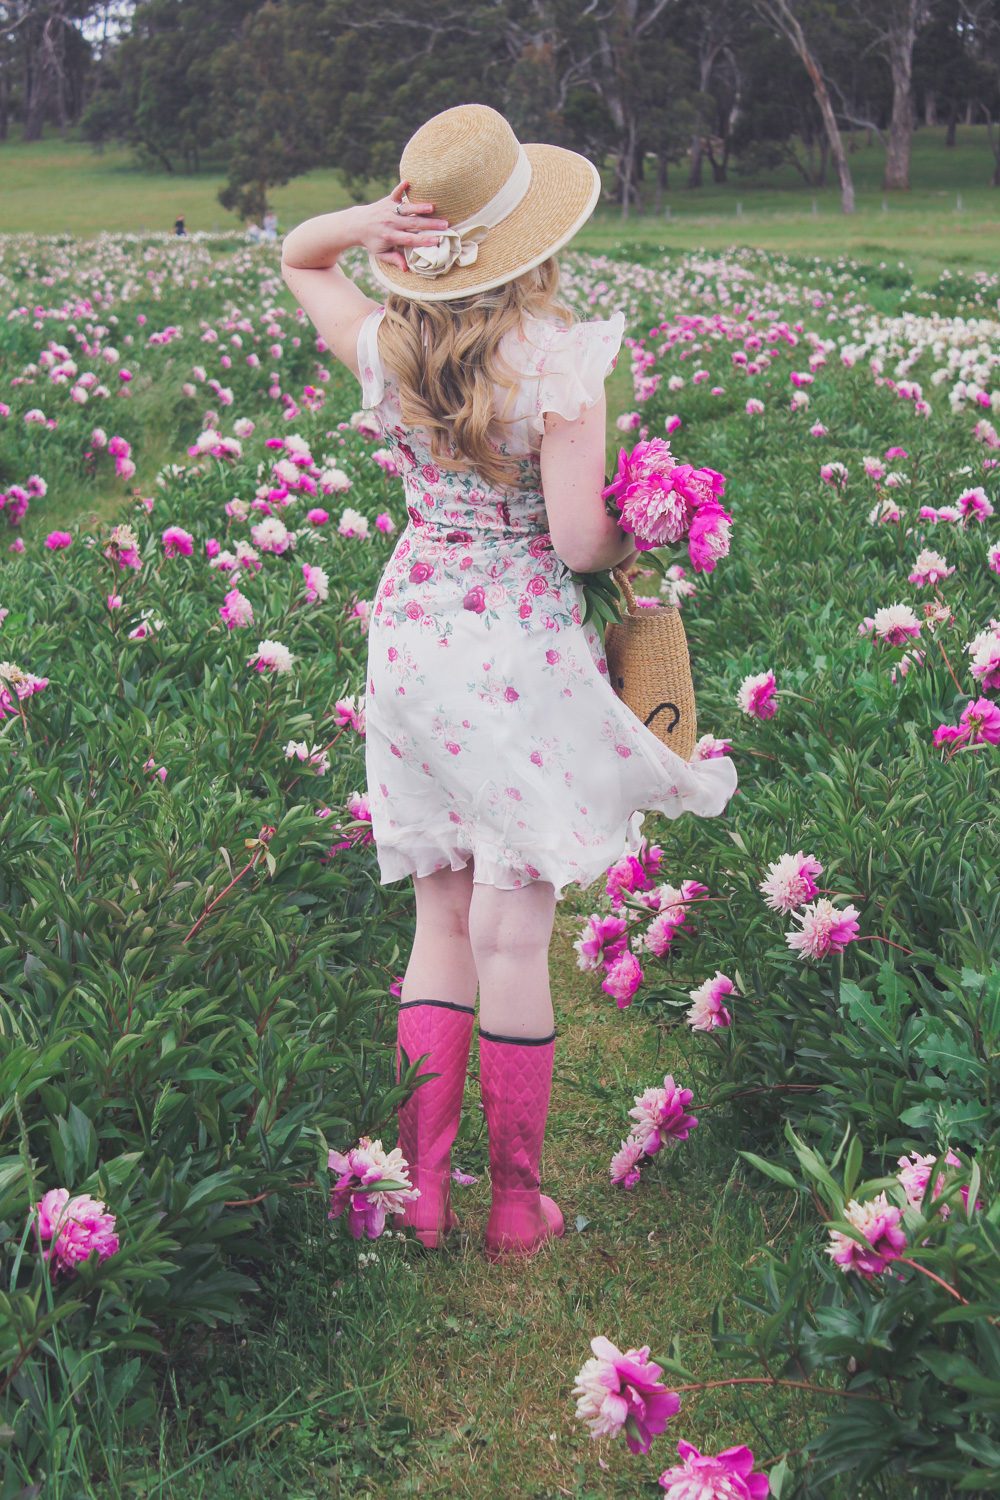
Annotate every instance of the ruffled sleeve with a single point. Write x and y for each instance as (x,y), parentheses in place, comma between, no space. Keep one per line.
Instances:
(571,366)
(369,361)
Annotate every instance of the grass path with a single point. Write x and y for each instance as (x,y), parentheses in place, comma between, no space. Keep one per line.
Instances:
(472,1364)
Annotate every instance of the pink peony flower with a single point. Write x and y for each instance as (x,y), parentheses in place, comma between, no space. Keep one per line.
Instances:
(727,1476)
(317,583)
(894,453)
(757,696)
(974,505)
(874,468)
(349,711)
(817,430)
(979,725)
(236,610)
(708,1012)
(317,517)
(885,513)
(709,748)
(985,653)
(878,1220)
(56,540)
(384,523)
(272,656)
(386,460)
(834,474)
(823,929)
(671,424)
(115,601)
(789,881)
(633,872)
(915,1173)
(896,624)
(708,537)
(626,1162)
(930,567)
(76,1228)
(617,1391)
(372,1183)
(659,1116)
(993,558)
(601,941)
(624,978)
(177,542)
(755,407)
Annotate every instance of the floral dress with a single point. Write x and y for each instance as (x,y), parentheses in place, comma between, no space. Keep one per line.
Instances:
(493,731)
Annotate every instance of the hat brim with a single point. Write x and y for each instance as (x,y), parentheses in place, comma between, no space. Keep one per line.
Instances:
(562,196)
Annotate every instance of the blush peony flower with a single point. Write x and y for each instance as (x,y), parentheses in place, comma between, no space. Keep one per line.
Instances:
(985,653)
(727,1476)
(930,567)
(76,1228)
(755,407)
(659,1116)
(993,558)
(236,610)
(915,1173)
(601,941)
(789,881)
(834,474)
(272,656)
(371,1183)
(878,1220)
(708,1012)
(895,625)
(885,513)
(353,524)
(757,696)
(57,540)
(823,930)
(709,748)
(617,1391)
(817,430)
(386,460)
(349,711)
(177,542)
(272,535)
(317,583)
(974,505)
(626,1162)
(624,978)
(874,468)
(123,547)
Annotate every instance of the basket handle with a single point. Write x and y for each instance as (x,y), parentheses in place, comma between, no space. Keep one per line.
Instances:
(622,580)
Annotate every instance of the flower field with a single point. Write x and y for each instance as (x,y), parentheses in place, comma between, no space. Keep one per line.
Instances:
(197,961)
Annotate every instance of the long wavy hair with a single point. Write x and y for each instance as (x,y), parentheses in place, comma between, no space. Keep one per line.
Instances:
(446,359)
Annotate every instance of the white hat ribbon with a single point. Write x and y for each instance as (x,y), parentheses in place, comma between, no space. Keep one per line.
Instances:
(459,243)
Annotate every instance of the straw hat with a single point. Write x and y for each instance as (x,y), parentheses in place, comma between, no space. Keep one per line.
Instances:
(508,206)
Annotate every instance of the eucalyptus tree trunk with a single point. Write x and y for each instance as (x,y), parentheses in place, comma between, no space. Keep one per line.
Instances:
(900,22)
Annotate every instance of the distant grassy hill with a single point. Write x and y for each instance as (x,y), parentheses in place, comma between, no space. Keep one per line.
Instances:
(950,218)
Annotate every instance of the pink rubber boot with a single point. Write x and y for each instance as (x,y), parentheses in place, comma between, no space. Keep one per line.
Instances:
(516,1076)
(428,1121)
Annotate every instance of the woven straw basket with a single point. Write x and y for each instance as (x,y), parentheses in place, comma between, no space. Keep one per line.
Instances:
(650,670)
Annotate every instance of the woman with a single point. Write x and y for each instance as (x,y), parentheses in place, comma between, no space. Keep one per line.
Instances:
(501,765)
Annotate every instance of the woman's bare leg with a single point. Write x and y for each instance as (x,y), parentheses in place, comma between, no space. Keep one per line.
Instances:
(509,933)
(442,966)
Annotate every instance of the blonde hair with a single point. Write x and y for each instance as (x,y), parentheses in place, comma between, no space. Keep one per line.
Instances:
(445,357)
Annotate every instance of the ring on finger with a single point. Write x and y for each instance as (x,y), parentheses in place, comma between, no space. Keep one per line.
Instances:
(399,208)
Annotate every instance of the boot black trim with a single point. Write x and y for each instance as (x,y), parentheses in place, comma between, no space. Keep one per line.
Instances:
(517,1041)
(466,1010)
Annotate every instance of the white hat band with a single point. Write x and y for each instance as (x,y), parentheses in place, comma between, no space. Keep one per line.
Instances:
(459,243)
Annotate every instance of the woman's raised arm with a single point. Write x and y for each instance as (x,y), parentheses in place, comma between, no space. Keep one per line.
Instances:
(309,256)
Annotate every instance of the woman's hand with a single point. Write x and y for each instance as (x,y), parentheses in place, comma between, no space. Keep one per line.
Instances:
(390,226)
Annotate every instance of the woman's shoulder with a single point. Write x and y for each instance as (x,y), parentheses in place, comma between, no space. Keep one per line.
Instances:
(548,334)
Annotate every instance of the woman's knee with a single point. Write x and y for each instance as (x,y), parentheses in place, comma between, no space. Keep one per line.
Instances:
(442,902)
(514,925)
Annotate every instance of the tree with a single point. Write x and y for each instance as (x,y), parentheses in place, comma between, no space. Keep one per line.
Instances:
(981,25)
(796,22)
(894,25)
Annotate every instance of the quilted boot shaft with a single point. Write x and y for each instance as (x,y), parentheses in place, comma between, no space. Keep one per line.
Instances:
(428,1121)
(516,1078)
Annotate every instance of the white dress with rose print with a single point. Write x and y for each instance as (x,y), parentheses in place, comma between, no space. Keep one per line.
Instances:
(493,732)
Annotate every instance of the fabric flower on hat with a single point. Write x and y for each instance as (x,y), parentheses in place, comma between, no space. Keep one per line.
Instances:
(727,1476)
(618,1391)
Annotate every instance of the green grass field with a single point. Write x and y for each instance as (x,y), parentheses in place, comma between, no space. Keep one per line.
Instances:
(54,186)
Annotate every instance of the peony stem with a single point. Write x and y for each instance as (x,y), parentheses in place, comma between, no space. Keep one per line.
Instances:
(209,909)
(924,1271)
(948,664)
(773,1380)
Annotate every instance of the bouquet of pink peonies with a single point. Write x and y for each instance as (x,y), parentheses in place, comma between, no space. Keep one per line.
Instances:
(662,502)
